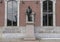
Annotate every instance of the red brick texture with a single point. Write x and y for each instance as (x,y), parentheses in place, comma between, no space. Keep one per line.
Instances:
(2,13)
(22,9)
(35,7)
(57,12)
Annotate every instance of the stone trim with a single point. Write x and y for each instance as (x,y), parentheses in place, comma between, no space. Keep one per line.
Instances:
(47,29)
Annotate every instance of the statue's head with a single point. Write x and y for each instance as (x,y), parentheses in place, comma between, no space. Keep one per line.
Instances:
(29,7)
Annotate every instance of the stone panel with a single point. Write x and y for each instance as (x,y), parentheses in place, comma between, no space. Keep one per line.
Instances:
(12,30)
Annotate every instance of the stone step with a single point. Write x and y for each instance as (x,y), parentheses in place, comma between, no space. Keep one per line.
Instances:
(19,40)
(32,41)
(50,40)
(11,40)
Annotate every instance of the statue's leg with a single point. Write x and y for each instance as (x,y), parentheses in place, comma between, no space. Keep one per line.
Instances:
(28,18)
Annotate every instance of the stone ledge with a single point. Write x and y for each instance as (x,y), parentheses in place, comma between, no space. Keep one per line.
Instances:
(47,35)
(12,35)
(12,29)
(47,29)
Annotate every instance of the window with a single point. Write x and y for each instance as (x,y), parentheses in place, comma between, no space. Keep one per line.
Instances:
(12,13)
(47,13)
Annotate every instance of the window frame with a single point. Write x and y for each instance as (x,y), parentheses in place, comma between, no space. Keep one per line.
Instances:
(47,12)
(18,3)
(54,20)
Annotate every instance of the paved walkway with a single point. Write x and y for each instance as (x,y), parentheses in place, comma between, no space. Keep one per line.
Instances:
(19,40)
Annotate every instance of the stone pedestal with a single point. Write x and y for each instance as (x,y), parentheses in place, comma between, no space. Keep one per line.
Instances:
(29,32)
(30,28)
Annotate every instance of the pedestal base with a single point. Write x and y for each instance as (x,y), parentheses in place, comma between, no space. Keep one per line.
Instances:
(32,41)
(29,32)
(29,39)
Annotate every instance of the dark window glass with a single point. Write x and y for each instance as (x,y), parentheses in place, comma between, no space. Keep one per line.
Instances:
(47,13)
(45,20)
(50,20)
(50,6)
(45,6)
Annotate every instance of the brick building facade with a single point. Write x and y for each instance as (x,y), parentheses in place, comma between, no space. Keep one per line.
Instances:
(45,21)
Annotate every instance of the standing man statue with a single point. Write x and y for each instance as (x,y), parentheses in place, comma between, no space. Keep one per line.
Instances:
(29,12)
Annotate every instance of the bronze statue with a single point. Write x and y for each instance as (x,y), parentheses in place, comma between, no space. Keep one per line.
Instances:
(29,12)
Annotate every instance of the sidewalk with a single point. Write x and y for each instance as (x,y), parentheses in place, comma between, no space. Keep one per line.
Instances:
(18,40)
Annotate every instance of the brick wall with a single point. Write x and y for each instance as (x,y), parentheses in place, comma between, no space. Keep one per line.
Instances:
(22,16)
(2,13)
(57,12)
(35,7)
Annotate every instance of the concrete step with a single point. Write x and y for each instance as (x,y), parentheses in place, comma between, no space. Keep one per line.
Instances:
(50,40)
(11,40)
(19,40)
(32,41)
